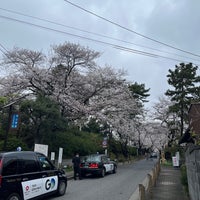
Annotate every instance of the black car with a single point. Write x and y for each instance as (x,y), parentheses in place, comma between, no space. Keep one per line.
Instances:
(97,164)
(154,155)
(29,175)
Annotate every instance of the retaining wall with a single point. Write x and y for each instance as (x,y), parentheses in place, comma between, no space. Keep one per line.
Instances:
(144,189)
(192,158)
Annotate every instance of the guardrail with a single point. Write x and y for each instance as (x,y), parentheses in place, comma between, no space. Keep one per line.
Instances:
(144,189)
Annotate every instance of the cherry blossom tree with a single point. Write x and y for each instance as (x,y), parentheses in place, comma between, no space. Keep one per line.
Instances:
(168,120)
(71,77)
(25,72)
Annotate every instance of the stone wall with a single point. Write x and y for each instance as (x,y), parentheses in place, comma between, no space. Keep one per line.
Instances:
(192,158)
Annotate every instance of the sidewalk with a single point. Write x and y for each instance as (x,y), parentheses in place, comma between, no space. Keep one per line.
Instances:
(168,185)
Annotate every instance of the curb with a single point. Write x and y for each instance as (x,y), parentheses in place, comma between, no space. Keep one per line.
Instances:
(70,175)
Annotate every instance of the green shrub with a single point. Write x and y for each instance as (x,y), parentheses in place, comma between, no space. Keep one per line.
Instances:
(13,143)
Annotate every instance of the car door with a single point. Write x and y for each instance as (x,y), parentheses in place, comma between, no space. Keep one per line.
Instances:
(10,178)
(48,173)
(31,176)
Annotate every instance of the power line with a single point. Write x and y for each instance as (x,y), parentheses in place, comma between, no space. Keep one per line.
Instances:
(132,31)
(152,55)
(93,33)
(6,53)
(3,49)
(131,50)
(59,31)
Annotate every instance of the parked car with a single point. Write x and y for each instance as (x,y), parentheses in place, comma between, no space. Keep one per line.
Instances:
(154,155)
(28,175)
(97,164)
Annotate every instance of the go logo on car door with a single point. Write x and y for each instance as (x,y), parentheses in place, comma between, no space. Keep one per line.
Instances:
(39,186)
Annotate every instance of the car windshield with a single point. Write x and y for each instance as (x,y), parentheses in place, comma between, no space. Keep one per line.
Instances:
(92,158)
(45,163)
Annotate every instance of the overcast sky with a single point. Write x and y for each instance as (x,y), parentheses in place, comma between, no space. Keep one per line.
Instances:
(148,26)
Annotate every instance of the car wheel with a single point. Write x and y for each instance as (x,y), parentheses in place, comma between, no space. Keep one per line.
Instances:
(114,169)
(103,172)
(14,196)
(62,185)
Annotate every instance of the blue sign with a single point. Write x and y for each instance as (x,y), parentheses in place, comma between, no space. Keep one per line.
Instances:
(15,121)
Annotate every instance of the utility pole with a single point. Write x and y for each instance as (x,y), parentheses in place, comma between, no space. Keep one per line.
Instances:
(8,127)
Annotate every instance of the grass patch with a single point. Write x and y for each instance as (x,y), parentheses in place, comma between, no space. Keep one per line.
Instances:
(67,168)
(167,163)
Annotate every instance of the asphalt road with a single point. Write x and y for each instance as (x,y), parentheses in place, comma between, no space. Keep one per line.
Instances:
(119,186)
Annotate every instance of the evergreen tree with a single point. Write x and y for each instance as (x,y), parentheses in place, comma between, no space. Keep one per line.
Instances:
(40,121)
(185,81)
(139,92)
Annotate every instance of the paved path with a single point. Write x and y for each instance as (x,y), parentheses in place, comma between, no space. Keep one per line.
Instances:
(168,186)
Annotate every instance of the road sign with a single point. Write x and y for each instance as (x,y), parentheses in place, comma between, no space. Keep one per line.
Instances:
(104,143)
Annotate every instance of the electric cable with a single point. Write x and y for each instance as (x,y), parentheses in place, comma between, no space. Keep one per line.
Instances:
(135,51)
(3,49)
(93,33)
(129,30)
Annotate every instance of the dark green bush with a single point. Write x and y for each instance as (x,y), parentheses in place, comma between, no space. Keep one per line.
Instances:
(13,143)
